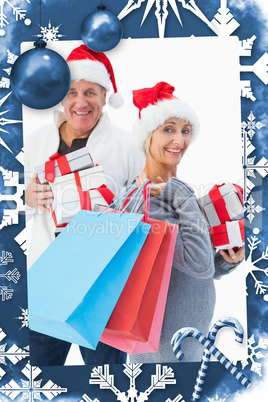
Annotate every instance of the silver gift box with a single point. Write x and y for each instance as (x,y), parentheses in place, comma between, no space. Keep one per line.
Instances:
(232,202)
(78,160)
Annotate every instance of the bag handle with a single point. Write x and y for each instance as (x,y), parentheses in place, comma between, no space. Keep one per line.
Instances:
(117,202)
(146,194)
(126,199)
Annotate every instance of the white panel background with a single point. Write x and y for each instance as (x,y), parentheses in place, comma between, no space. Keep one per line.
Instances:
(205,73)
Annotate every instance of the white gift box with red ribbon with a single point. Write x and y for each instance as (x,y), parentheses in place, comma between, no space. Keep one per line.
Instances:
(223,203)
(76,191)
(228,235)
(58,165)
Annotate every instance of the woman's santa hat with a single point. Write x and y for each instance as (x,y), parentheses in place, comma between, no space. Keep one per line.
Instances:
(86,64)
(156,105)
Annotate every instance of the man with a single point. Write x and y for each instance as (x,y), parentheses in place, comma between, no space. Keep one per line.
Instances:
(83,123)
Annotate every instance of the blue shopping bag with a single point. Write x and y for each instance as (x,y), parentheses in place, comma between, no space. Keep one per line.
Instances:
(74,285)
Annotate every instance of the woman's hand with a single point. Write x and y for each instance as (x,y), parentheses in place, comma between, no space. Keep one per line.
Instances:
(233,257)
(156,188)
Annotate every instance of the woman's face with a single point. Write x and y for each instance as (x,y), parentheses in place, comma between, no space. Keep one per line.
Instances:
(170,141)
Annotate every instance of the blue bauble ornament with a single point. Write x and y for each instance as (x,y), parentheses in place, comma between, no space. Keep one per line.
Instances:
(40,78)
(101,30)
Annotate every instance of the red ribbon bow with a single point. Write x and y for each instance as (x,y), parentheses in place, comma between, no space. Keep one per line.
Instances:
(63,165)
(219,203)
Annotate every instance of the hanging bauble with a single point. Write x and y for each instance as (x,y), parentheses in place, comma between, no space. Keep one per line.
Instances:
(40,78)
(101,30)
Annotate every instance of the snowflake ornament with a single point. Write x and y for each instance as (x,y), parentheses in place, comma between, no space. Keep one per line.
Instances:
(19,13)
(6,293)
(11,58)
(24,318)
(86,398)
(248,130)
(50,33)
(217,399)
(101,376)
(4,121)
(13,275)
(255,352)
(260,68)
(251,268)
(23,240)
(11,179)
(161,11)
(31,389)
(14,354)
(251,209)
(6,258)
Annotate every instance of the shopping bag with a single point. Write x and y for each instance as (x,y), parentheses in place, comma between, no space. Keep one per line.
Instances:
(132,319)
(74,285)
(128,318)
(163,263)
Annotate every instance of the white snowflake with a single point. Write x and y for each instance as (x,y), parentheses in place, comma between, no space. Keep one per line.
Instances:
(255,352)
(14,354)
(248,130)
(11,58)
(101,376)
(31,389)
(223,22)
(252,209)
(86,398)
(24,318)
(13,275)
(11,179)
(4,121)
(246,46)
(6,293)
(161,12)
(20,156)
(50,33)
(23,240)
(260,68)
(250,265)
(17,11)
(217,399)
(6,258)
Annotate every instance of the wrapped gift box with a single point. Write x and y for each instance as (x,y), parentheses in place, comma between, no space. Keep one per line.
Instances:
(223,203)
(61,165)
(76,191)
(228,235)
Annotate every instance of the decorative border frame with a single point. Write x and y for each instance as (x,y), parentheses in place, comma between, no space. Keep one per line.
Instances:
(172,382)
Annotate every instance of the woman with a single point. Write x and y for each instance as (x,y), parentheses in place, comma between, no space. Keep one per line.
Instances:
(165,129)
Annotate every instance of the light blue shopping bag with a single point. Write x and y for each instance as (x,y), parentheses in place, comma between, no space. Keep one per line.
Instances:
(74,285)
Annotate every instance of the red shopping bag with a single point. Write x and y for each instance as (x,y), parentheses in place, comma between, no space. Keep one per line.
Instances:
(162,266)
(142,303)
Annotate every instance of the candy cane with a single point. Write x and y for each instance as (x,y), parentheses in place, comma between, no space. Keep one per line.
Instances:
(193,332)
(223,322)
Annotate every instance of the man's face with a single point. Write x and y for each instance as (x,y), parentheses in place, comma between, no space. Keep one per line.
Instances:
(83,106)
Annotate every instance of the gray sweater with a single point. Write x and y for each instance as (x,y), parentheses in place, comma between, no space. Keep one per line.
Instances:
(191,296)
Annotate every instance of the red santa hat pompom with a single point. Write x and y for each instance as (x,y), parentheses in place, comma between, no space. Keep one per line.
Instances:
(86,64)
(156,105)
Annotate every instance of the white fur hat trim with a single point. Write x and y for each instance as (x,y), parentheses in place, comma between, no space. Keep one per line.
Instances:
(90,70)
(155,115)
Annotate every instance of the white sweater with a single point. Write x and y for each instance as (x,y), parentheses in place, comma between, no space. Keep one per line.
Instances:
(110,146)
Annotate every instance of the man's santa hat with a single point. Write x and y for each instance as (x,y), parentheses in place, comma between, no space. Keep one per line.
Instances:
(86,64)
(156,105)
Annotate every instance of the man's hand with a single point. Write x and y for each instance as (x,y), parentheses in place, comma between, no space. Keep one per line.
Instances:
(233,257)
(156,188)
(38,195)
